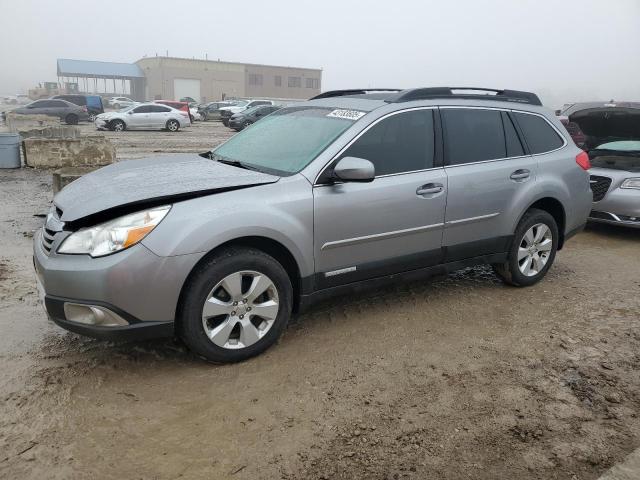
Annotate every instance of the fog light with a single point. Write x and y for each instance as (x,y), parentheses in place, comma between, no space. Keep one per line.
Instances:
(92,315)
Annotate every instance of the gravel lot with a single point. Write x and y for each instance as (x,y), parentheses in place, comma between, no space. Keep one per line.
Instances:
(459,377)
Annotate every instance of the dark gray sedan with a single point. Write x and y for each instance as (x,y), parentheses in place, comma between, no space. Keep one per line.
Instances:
(65,111)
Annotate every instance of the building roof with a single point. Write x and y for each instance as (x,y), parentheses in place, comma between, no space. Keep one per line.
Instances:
(89,68)
(245,64)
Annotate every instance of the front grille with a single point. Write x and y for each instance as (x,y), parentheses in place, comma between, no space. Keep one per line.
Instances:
(51,228)
(599,186)
(47,239)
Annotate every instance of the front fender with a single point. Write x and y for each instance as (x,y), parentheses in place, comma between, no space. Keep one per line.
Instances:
(281,211)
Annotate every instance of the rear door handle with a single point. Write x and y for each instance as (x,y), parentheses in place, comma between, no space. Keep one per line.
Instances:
(430,189)
(520,174)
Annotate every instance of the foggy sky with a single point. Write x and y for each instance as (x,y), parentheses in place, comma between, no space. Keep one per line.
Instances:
(565,50)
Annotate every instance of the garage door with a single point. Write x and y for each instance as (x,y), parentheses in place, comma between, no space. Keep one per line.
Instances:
(186,87)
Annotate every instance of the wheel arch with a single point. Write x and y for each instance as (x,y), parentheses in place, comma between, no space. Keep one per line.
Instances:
(265,244)
(553,207)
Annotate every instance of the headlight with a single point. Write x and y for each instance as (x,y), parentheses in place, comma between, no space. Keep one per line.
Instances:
(115,235)
(631,183)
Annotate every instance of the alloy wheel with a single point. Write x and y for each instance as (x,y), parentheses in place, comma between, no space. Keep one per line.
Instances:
(240,309)
(535,249)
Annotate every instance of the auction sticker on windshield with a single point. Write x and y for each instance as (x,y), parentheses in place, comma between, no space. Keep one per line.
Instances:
(347,114)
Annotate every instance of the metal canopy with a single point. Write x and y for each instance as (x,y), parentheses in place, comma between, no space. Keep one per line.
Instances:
(93,69)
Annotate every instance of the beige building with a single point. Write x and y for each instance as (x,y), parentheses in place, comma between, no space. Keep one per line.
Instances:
(172,78)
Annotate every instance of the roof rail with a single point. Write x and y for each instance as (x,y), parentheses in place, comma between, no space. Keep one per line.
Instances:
(452,92)
(352,91)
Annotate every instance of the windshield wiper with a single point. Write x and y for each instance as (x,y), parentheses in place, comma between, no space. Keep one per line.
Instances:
(235,163)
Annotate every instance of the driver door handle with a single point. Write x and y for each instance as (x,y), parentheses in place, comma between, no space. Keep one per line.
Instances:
(430,189)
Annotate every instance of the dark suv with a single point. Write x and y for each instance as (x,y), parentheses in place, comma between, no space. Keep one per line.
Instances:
(93,103)
(241,120)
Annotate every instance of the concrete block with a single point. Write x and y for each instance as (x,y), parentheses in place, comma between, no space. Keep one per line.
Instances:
(68,152)
(19,123)
(64,176)
(58,131)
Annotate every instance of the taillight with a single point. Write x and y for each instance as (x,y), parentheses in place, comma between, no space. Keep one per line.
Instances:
(84,107)
(582,159)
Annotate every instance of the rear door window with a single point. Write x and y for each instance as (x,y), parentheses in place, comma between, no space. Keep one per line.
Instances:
(142,109)
(473,135)
(538,133)
(159,109)
(400,143)
(514,147)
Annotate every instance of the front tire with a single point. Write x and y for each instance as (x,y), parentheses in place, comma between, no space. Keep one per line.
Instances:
(533,250)
(117,126)
(235,306)
(173,125)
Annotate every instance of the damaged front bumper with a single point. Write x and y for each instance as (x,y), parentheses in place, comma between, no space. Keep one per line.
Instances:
(132,294)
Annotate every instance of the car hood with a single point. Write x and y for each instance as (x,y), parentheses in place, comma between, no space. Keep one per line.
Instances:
(612,122)
(108,115)
(128,185)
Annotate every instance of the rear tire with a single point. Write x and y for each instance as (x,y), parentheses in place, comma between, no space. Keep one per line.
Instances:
(532,251)
(71,119)
(173,125)
(92,117)
(219,331)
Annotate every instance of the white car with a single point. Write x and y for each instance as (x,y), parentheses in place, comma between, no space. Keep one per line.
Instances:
(145,116)
(195,114)
(122,102)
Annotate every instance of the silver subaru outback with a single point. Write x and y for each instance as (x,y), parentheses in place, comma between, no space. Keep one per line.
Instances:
(348,190)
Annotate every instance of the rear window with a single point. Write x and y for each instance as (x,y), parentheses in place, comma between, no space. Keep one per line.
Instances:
(538,133)
(473,135)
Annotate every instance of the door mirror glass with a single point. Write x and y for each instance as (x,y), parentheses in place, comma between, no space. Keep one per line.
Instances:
(353,169)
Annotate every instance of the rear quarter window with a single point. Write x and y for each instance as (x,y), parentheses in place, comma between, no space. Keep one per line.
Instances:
(539,135)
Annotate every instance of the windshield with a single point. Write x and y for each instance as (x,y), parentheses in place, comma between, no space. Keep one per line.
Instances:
(286,141)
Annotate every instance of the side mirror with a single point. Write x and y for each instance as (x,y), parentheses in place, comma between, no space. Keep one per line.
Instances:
(353,169)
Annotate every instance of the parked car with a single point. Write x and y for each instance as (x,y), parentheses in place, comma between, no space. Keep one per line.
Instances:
(241,120)
(612,139)
(146,116)
(188,100)
(240,106)
(180,106)
(68,112)
(349,190)
(121,102)
(211,110)
(93,103)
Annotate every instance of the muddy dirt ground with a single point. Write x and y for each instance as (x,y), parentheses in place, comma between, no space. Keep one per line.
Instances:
(458,377)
